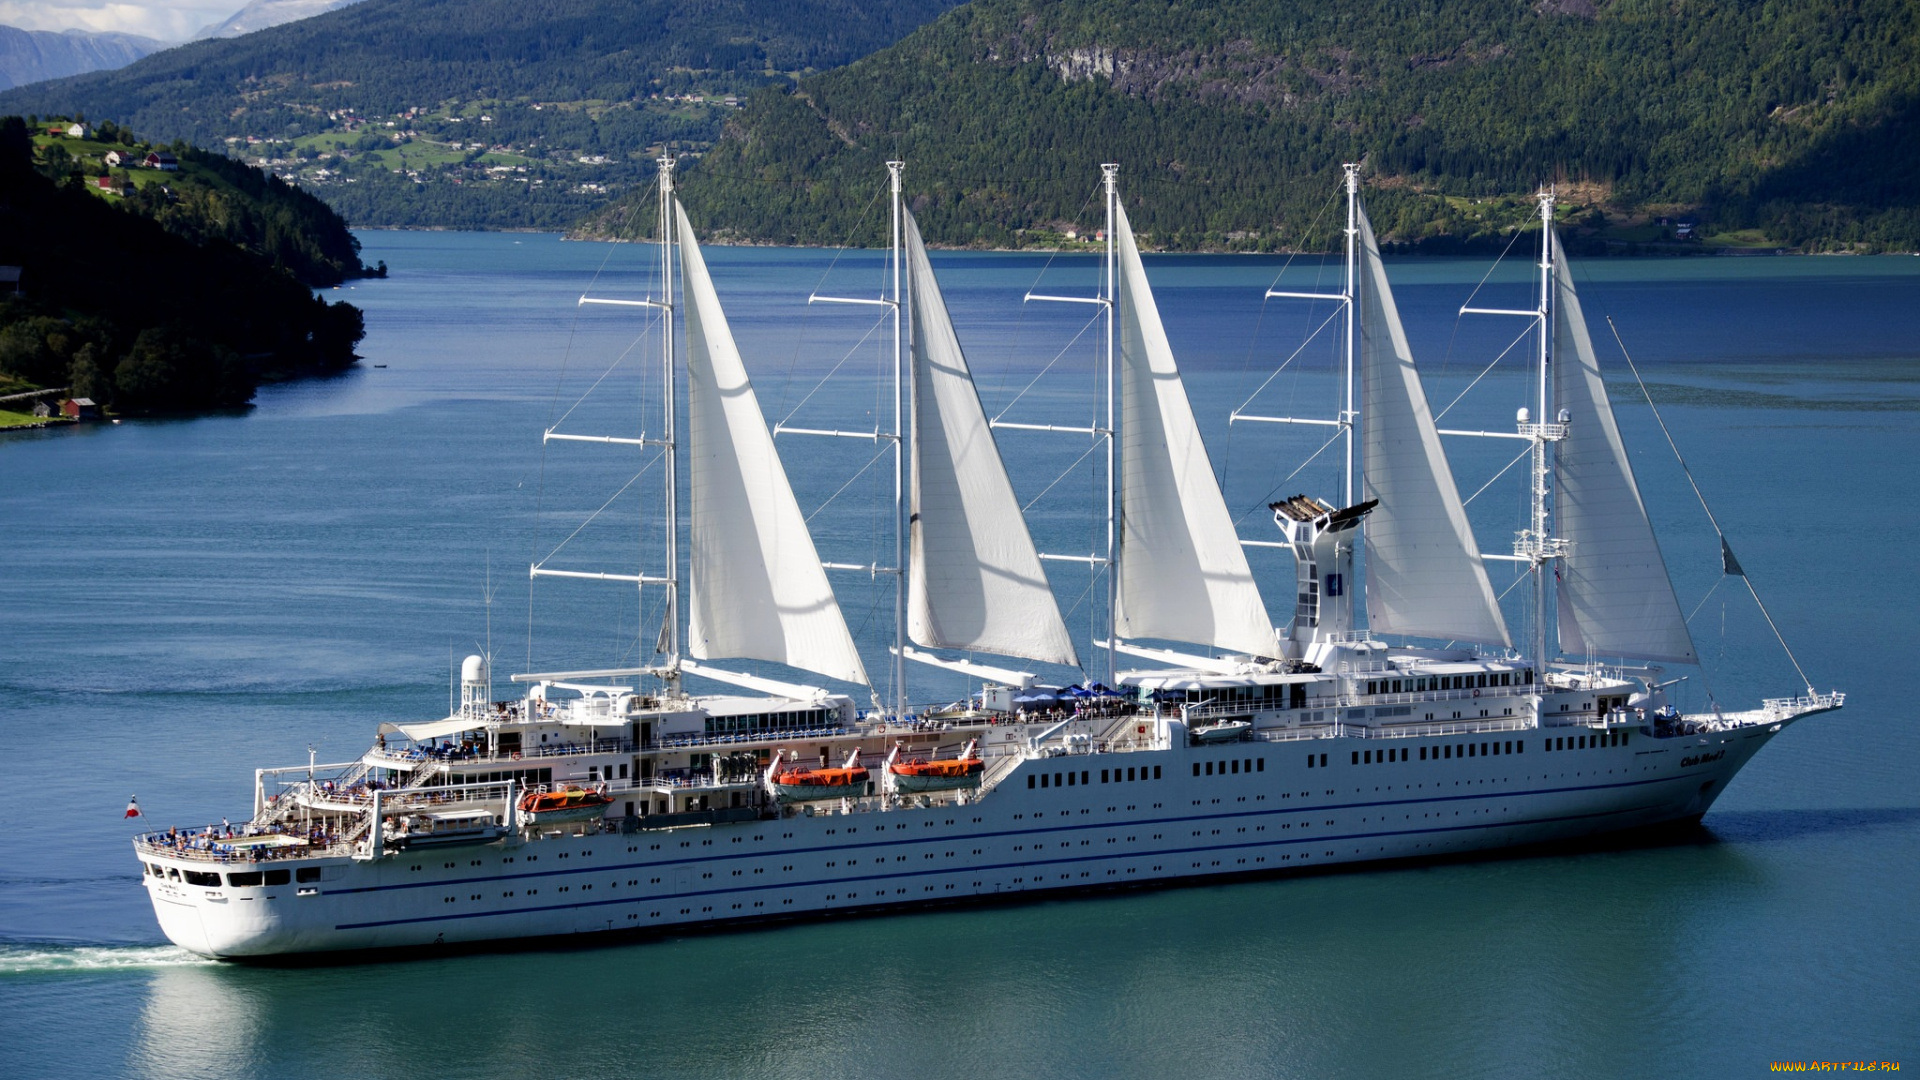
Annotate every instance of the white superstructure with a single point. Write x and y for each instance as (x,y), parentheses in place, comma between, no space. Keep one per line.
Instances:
(1317,747)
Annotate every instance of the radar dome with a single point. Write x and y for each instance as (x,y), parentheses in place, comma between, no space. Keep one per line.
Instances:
(473,669)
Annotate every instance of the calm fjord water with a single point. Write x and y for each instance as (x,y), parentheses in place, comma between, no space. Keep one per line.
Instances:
(186,600)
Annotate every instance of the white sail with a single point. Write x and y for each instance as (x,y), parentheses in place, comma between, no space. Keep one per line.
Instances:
(1424,574)
(757,588)
(975,581)
(1183,576)
(1614,578)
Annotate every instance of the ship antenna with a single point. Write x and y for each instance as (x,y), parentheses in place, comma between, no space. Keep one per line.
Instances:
(487,595)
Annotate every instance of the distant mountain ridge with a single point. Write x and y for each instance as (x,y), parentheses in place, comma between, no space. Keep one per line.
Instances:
(30,56)
(262,14)
(478,113)
(1794,124)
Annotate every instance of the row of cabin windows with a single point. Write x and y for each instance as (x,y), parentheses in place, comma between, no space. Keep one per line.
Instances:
(1232,767)
(1587,742)
(1450,682)
(753,723)
(1435,753)
(1282,696)
(523,777)
(244,879)
(1485,749)
(1085,776)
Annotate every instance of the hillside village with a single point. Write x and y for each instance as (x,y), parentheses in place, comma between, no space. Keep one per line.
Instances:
(137,276)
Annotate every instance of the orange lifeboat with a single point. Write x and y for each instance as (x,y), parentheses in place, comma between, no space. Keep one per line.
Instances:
(570,803)
(802,785)
(938,774)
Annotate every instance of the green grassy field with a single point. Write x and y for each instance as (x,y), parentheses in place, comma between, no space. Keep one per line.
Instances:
(17,419)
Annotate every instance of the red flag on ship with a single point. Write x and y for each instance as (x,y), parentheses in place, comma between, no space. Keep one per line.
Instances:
(133,806)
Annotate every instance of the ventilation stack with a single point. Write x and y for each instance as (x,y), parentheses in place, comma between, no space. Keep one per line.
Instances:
(1323,540)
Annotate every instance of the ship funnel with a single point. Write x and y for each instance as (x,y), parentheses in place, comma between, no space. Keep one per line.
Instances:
(1323,540)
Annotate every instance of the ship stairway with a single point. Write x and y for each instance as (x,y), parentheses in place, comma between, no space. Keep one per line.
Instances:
(1125,734)
(998,769)
(359,830)
(424,776)
(304,795)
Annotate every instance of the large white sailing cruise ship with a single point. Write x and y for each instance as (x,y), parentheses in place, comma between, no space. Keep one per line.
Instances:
(609,801)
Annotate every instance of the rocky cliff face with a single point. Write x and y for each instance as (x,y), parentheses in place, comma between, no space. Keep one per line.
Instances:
(28,56)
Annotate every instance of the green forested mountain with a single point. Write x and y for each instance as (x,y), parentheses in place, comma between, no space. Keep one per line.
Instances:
(1774,121)
(177,292)
(477,112)
(206,197)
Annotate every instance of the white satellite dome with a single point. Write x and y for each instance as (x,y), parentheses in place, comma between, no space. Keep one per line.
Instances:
(473,669)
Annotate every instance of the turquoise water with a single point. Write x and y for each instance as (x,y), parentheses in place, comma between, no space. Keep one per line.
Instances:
(186,600)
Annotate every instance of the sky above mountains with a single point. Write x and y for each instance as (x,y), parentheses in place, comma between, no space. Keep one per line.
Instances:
(167,20)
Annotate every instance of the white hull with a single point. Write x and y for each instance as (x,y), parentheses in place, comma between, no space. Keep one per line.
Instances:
(1283,815)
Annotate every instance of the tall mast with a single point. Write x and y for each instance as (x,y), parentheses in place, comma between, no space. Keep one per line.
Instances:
(1346,420)
(1349,416)
(1351,294)
(902,375)
(668,644)
(1538,544)
(1110,179)
(670,441)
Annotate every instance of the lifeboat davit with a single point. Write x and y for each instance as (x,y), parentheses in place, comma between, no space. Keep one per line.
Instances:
(805,785)
(570,803)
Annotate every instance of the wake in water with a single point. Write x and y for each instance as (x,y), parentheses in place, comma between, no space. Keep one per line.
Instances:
(41,958)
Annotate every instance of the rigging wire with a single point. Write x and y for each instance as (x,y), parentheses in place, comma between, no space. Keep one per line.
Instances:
(1446,361)
(1717,582)
(1064,473)
(1226,454)
(1524,335)
(1496,476)
(843,487)
(1290,359)
(1729,566)
(646,329)
(644,470)
(800,337)
(1020,320)
(540,475)
(1031,383)
(821,384)
(1263,503)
